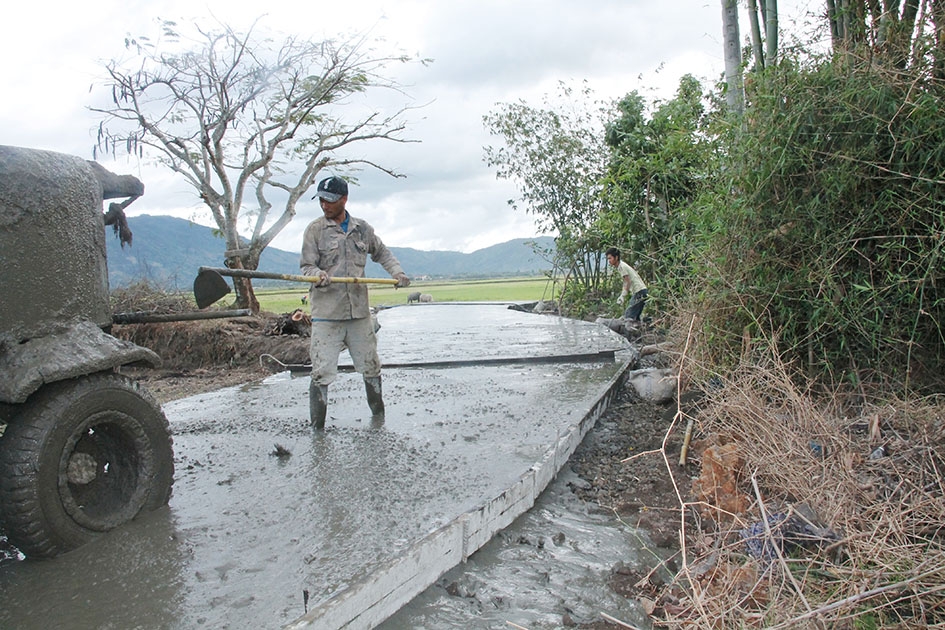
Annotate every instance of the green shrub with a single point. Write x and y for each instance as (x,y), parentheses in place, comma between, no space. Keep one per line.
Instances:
(828,227)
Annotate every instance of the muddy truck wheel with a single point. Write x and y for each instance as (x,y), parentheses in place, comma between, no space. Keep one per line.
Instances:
(82,457)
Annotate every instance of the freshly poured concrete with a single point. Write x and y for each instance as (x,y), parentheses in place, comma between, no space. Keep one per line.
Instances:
(359,517)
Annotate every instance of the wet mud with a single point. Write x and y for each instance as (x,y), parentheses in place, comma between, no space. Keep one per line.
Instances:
(265,510)
(549,569)
(600,539)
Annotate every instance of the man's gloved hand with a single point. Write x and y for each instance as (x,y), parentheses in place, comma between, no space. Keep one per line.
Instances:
(323,279)
(623,297)
(402,280)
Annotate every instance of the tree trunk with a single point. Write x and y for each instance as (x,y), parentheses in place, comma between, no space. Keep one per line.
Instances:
(756,47)
(734,95)
(771,31)
(938,21)
(836,25)
(245,295)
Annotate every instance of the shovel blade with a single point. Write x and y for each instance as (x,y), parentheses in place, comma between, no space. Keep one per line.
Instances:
(209,286)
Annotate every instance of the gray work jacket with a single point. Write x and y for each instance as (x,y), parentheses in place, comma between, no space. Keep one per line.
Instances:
(325,247)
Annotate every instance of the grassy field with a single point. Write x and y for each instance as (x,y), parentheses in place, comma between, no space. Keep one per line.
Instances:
(288,298)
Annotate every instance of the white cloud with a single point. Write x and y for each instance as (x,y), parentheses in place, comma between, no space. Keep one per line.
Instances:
(484,51)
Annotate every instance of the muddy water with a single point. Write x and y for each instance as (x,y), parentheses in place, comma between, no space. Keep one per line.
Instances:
(247,532)
(553,563)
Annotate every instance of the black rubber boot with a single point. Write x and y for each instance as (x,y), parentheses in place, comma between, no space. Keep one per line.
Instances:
(372,385)
(317,404)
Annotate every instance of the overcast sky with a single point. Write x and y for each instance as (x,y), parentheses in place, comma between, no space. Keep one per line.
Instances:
(485,52)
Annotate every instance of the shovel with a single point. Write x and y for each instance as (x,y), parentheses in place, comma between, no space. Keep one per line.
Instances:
(209,285)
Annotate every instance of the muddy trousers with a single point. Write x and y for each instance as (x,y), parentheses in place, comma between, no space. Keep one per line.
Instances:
(635,308)
(329,338)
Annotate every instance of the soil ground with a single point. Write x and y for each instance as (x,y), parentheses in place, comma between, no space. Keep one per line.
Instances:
(627,463)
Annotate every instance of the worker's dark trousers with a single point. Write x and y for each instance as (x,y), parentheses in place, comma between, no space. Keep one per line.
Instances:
(636,305)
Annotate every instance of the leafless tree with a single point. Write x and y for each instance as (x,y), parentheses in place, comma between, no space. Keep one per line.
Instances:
(249,123)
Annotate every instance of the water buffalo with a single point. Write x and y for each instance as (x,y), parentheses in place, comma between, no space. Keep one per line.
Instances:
(426,297)
(413,297)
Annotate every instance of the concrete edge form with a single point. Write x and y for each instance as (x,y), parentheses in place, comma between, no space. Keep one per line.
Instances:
(367,603)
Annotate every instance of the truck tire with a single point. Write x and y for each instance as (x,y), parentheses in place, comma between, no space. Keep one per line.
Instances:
(82,457)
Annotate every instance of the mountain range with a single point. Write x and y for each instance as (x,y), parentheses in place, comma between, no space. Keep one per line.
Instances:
(167,252)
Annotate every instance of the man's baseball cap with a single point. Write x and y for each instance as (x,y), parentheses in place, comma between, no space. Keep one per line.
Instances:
(332,189)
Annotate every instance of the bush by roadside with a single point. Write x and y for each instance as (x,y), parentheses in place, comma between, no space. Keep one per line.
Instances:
(809,508)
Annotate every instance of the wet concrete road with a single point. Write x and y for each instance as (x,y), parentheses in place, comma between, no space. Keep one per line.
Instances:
(247,533)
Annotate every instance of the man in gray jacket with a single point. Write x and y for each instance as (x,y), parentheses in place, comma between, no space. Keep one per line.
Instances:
(338,244)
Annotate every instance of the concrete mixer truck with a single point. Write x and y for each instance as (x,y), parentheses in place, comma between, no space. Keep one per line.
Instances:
(83,449)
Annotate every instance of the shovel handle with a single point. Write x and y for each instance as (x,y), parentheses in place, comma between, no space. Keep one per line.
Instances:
(249,273)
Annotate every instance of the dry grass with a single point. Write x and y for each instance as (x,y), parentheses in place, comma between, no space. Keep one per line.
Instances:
(859,484)
(145,297)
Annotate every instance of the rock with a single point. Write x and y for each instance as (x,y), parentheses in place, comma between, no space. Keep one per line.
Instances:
(628,328)
(546,306)
(580,484)
(654,384)
(615,325)
(878,453)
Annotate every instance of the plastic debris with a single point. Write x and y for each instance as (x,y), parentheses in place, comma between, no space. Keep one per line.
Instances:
(788,531)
